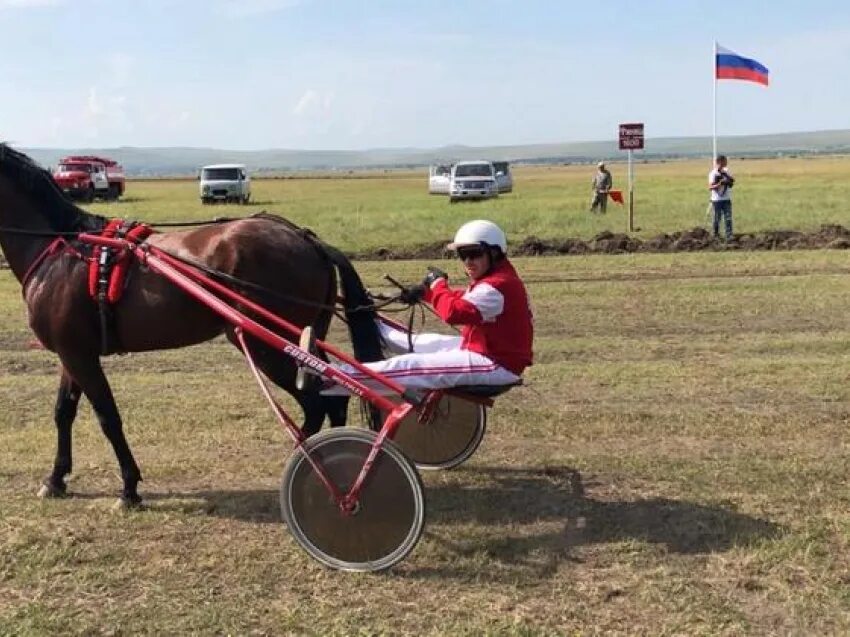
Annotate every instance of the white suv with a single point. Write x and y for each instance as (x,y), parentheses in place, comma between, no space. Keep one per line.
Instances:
(225,182)
(473,180)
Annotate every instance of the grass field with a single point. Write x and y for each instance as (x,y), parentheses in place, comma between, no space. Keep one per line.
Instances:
(395,210)
(677,463)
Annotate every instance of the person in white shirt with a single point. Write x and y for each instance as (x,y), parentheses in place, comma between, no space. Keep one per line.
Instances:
(720,182)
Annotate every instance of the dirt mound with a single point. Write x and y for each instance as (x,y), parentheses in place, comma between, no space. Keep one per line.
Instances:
(830,236)
(834,237)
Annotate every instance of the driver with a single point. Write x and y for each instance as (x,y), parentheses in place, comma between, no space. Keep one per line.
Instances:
(493,311)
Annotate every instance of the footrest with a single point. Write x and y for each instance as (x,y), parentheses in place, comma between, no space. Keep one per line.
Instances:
(305,379)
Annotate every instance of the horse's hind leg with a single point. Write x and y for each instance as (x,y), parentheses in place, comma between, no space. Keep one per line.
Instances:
(64,413)
(88,375)
(336,407)
(280,369)
(314,412)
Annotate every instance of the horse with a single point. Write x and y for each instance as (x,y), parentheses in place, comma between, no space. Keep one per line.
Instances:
(284,268)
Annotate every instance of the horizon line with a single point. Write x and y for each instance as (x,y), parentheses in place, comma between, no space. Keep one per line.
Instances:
(613,140)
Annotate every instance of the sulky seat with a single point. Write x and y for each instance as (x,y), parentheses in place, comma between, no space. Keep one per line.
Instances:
(484,391)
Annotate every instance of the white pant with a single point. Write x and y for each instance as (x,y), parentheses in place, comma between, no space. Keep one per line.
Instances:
(437,362)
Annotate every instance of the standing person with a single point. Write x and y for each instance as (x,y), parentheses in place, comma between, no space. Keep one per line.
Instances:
(720,182)
(601,185)
(495,345)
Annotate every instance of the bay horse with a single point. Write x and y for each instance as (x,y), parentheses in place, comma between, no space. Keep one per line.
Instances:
(286,269)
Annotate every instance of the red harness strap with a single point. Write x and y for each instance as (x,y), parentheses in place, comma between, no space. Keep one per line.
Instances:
(50,250)
(114,265)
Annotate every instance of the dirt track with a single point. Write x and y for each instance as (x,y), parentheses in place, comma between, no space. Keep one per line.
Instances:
(834,237)
(828,236)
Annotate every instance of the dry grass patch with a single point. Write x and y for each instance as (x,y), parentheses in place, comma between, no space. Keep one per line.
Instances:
(677,464)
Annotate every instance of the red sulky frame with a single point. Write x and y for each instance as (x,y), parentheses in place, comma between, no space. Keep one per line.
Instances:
(210,293)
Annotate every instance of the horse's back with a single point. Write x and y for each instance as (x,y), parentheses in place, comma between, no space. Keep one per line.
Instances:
(287,273)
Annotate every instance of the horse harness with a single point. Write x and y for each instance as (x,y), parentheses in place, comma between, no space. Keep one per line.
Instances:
(107,276)
(108,268)
(107,272)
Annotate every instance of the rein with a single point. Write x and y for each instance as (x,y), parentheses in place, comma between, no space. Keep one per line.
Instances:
(217,274)
(60,240)
(75,234)
(38,233)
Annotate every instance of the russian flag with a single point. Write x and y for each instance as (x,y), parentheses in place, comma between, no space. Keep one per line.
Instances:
(729,65)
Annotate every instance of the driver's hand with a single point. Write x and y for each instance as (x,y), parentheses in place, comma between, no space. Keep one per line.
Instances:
(412,294)
(434,273)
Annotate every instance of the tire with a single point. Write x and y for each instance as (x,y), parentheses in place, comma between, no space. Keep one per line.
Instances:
(246,199)
(206,201)
(114,192)
(390,513)
(448,440)
(88,197)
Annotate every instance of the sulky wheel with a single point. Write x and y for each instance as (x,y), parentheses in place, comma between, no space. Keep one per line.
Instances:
(387,520)
(446,441)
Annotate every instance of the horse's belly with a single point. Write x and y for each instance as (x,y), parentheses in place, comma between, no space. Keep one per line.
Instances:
(155,314)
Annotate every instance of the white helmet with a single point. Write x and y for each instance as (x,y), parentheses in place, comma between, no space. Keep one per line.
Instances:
(480,232)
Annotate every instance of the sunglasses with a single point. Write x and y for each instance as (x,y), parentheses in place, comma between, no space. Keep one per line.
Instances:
(470,253)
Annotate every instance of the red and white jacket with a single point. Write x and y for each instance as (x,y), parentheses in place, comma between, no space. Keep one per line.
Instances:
(495,314)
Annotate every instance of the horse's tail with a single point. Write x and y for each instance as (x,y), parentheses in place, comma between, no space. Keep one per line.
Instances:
(359,310)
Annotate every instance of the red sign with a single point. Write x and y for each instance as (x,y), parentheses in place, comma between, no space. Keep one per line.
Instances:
(631,136)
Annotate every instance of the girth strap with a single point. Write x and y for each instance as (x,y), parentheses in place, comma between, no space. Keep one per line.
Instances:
(108,276)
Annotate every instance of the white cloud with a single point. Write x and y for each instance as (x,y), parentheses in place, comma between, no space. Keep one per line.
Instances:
(240,8)
(305,103)
(314,103)
(106,114)
(93,104)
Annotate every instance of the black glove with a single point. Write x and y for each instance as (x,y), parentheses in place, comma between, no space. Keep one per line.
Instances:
(434,274)
(412,294)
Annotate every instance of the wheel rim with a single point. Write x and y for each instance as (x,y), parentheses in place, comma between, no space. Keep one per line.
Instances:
(389,517)
(448,440)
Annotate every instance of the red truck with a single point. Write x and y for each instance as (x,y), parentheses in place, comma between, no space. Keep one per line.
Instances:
(87,176)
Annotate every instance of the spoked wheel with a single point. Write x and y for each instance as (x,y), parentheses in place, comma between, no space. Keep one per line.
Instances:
(387,520)
(449,439)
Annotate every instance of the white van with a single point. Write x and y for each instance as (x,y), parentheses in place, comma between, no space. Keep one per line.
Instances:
(228,183)
(473,180)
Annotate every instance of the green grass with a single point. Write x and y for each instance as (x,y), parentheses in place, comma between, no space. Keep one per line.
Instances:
(676,464)
(394,209)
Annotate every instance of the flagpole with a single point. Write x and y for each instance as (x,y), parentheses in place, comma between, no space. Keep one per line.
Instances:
(714,102)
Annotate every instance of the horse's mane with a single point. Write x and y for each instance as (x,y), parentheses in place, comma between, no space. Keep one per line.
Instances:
(61,213)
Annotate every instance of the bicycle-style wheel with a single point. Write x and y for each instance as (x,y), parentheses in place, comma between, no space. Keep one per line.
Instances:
(388,519)
(449,439)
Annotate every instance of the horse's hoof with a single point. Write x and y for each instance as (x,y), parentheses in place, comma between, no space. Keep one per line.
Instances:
(48,490)
(127,504)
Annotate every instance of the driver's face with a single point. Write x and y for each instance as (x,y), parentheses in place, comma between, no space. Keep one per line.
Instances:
(476,261)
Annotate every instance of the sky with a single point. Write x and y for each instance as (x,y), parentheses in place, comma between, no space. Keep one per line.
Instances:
(345,74)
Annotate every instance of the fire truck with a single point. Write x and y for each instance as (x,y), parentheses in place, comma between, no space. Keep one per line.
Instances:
(87,177)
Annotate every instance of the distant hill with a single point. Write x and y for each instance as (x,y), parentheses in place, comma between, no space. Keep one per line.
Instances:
(141,162)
